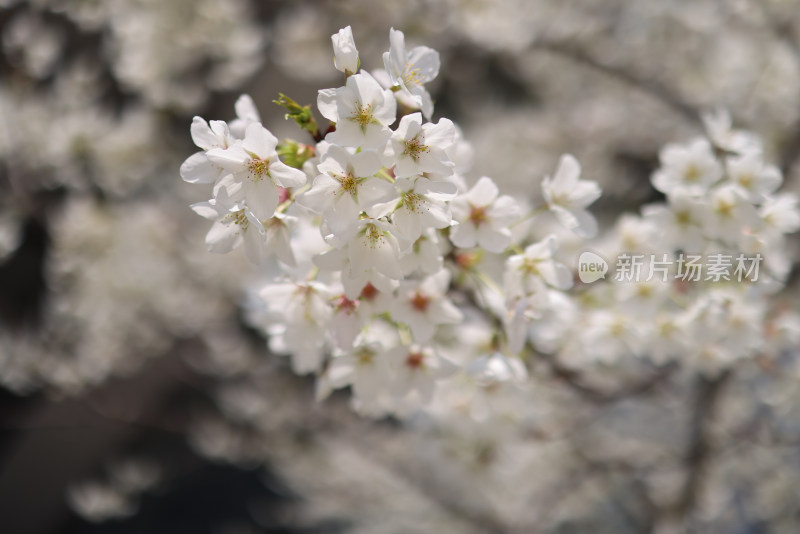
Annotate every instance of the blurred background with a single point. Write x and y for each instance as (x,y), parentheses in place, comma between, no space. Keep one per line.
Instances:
(134,398)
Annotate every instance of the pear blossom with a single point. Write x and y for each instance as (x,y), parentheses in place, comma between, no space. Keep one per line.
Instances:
(421,148)
(365,368)
(278,241)
(246,114)
(725,327)
(362,111)
(345,187)
(781,214)
(719,127)
(692,168)
(198,169)
(424,254)
(411,70)
(345,51)
(729,213)
(423,305)
(483,217)
(421,205)
(520,311)
(524,272)
(257,172)
(346,322)
(568,197)
(680,222)
(298,316)
(233,226)
(491,370)
(416,370)
(756,180)
(370,256)
(611,334)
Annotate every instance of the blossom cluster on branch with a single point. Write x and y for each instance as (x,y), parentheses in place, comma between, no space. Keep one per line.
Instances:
(386,272)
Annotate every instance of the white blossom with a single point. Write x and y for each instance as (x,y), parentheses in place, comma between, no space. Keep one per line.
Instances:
(362,111)
(568,197)
(421,148)
(483,217)
(345,51)
(257,172)
(411,70)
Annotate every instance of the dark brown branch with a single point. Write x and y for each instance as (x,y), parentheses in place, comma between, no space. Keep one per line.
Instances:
(698,454)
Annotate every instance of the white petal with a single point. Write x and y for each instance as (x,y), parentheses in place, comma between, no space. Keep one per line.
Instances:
(426,60)
(463,235)
(259,141)
(373,191)
(202,135)
(222,238)
(261,197)
(197,169)
(246,109)
(286,176)
(366,163)
(206,210)
(232,159)
(483,192)
(567,172)
(326,102)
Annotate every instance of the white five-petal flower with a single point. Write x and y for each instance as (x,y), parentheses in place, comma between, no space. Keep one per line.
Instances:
(568,196)
(411,70)
(198,169)
(345,187)
(423,305)
(257,172)
(483,217)
(419,148)
(362,111)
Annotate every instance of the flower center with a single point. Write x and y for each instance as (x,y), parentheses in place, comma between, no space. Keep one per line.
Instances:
(374,236)
(415,360)
(369,292)
(683,218)
(746,180)
(364,356)
(346,305)
(414,202)
(420,302)
(237,217)
(477,215)
(692,174)
(414,147)
(258,169)
(724,209)
(362,115)
(412,77)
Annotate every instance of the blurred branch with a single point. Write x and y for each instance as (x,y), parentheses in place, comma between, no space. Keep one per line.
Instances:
(782,31)
(707,394)
(649,86)
(574,379)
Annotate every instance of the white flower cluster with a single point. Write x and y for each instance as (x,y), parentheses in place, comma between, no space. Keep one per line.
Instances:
(362,233)
(720,202)
(387,273)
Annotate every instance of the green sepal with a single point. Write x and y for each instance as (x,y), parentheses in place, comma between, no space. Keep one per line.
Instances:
(299,114)
(294,154)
